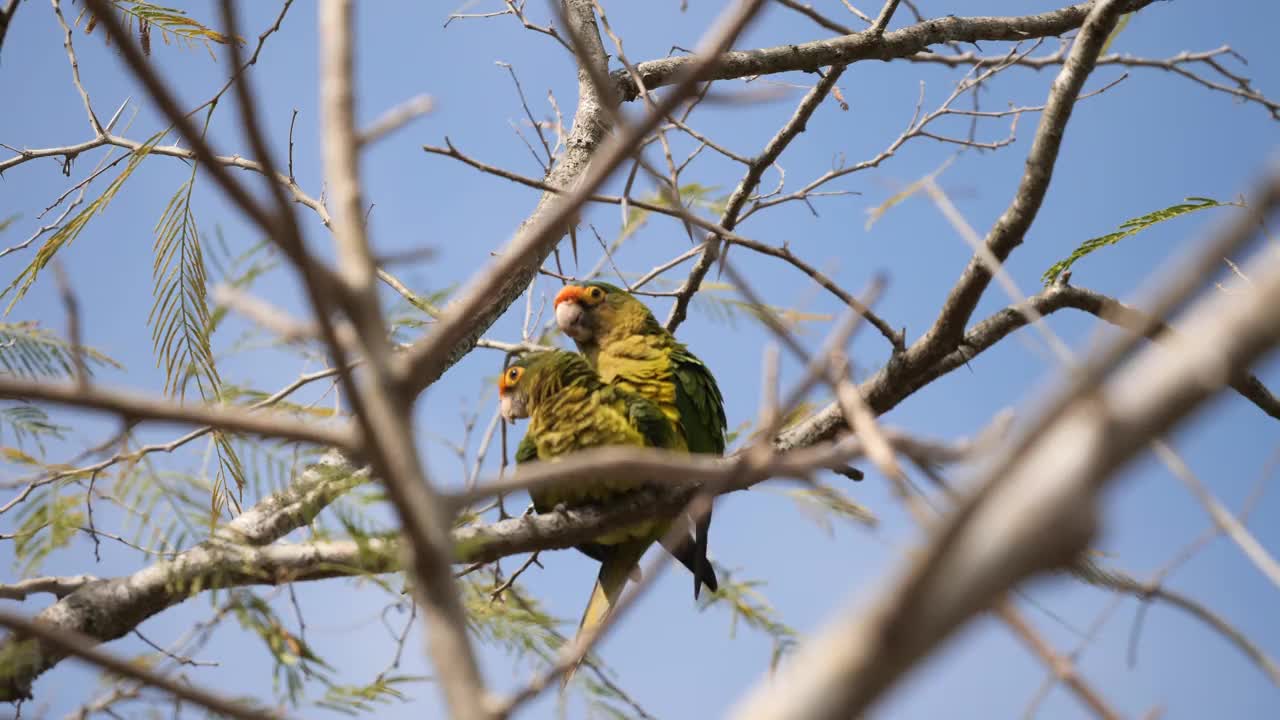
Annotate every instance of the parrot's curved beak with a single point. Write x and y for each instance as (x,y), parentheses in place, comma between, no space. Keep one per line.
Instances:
(513,407)
(570,318)
(570,315)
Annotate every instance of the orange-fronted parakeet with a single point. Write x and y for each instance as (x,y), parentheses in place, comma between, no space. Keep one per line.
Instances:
(569,409)
(623,341)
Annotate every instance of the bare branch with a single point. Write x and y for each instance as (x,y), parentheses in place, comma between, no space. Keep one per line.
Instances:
(6,17)
(133,407)
(1154,591)
(1057,664)
(867,45)
(1011,227)
(1240,86)
(168,105)
(750,181)
(824,21)
(382,411)
(75,68)
(502,282)
(109,609)
(1049,478)
(396,118)
(59,587)
(68,643)
(1222,517)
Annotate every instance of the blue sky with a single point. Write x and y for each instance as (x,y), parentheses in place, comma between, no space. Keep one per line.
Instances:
(1146,143)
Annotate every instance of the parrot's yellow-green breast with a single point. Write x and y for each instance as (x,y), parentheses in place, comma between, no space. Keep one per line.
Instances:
(579,415)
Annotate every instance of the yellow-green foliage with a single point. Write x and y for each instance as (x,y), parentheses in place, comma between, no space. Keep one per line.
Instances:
(172,23)
(71,229)
(358,699)
(1129,228)
(819,502)
(748,605)
(45,523)
(27,350)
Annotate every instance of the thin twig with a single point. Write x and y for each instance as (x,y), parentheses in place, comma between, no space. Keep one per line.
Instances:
(82,647)
(140,407)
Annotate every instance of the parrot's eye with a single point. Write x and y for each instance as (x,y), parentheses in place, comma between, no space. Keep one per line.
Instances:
(595,294)
(513,375)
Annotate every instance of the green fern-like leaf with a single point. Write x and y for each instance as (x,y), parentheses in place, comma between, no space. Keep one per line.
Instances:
(359,699)
(172,23)
(29,423)
(729,310)
(180,316)
(295,662)
(181,330)
(820,502)
(70,230)
(230,472)
(695,196)
(240,272)
(165,510)
(1129,228)
(517,624)
(26,350)
(45,523)
(749,606)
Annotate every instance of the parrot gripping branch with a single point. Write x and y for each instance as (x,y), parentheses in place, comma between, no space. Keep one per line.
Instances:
(246,551)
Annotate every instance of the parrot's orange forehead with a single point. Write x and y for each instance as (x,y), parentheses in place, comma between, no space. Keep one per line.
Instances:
(569,293)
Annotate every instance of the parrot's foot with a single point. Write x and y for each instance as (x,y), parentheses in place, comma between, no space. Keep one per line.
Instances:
(560,509)
(531,510)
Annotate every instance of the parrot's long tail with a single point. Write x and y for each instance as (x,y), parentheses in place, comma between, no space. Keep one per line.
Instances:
(703,574)
(686,550)
(614,573)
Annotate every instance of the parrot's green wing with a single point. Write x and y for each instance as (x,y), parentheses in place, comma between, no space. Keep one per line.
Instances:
(649,420)
(700,403)
(701,408)
(527,452)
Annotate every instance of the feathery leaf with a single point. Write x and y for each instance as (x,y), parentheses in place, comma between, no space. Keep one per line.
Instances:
(172,23)
(820,502)
(29,423)
(1129,228)
(28,351)
(64,235)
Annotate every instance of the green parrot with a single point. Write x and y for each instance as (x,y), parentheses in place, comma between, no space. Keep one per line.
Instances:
(569,409)
(625,344)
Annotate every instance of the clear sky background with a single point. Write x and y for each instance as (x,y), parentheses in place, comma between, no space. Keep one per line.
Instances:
(1145,144)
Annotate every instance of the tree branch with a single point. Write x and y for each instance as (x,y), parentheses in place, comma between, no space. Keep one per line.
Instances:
(382,411)
(40,637)
(464,320)
(132,407)
(947,332)
(1050,477)
(1154,591)
(107,609)
(750,181)
(242,553)
(59,587)
(1010,229)
(6,17)
(869,45)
